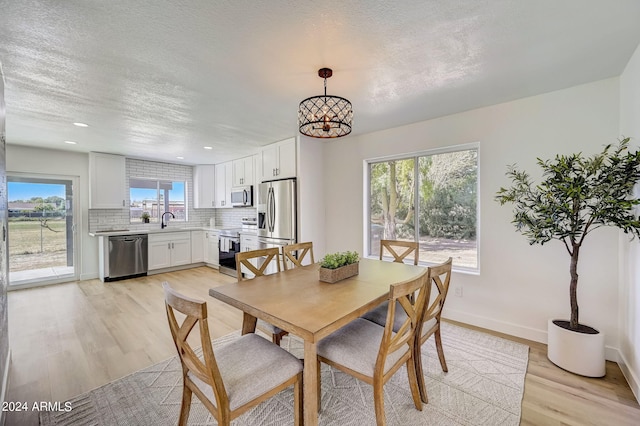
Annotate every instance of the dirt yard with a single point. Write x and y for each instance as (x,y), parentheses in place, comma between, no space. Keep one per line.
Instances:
(33,246)
(438,250)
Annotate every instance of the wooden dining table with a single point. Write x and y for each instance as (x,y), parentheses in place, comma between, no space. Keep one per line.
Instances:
(298,302)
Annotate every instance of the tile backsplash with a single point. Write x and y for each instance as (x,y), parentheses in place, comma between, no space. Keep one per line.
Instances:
(114,219)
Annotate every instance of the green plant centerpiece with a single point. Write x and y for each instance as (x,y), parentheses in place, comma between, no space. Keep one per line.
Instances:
(339,266)
(145,217)
(575,196)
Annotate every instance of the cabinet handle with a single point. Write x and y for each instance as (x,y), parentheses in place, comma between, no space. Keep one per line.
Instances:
(168,246)
(173,246)
(122,203)
(277,172)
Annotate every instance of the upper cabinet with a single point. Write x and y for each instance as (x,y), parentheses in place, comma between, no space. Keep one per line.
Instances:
(278,160)
(108,186)
(223,183)
(204,189)
(243,171)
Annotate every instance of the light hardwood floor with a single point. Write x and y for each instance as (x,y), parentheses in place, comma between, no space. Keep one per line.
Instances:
(69,338)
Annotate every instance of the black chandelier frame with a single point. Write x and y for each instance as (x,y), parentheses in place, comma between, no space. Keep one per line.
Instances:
(325,116)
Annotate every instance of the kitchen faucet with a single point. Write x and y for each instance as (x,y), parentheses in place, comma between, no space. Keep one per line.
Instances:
(163,225)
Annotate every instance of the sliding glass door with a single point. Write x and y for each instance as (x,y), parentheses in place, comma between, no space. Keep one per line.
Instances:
(42,237)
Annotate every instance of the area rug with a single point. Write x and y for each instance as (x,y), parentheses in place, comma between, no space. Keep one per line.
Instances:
(484,386)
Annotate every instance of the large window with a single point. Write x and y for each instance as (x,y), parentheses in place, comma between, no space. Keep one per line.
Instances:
(430,197)
(155,197)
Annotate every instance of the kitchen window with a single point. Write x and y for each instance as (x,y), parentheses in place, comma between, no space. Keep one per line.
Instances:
(430,197)
(156,196)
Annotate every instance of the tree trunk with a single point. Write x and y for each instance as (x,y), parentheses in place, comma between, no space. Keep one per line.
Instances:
(573,287)
(390,212)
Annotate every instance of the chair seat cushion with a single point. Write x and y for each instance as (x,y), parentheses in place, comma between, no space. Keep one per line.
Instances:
(356,346)
(268,328)
(378,315)
(250,366)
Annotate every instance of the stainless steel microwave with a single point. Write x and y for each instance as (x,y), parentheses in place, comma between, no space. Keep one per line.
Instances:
(242,196)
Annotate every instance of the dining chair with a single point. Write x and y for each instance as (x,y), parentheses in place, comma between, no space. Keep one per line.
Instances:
(236,376)
(251,260)
(289,252)
(439,276)
(400,249)
(372,353)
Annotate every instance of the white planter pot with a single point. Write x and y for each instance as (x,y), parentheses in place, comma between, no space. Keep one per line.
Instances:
(579,353)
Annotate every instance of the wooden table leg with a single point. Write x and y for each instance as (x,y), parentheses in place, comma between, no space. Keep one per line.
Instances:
(248,323)
(310,390)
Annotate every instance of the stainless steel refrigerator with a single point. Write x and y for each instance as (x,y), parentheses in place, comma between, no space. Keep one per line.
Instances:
(276,214)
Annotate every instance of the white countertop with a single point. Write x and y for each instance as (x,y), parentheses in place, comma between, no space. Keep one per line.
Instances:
(156,229)
(147,231)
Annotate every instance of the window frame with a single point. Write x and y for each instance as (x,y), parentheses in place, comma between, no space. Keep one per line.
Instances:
(159,181)
(415,156)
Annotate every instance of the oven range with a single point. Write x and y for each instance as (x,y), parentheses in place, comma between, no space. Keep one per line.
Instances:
(229,245)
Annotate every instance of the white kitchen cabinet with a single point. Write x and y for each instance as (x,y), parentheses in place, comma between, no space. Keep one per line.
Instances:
(197,246)
(107,181)
(243,171)
(248,242)
(169,249)
(204,189)
(278,160)
(223,183)
(212,253)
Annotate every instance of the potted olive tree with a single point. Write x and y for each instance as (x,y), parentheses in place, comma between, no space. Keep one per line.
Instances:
(576,196)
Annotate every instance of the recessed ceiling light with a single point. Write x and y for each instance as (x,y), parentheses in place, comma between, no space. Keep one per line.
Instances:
(208,147)
(81,124)
(180,158)
(71,142)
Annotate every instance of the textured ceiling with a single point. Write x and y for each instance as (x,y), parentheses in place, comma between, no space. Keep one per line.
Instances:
(162,79)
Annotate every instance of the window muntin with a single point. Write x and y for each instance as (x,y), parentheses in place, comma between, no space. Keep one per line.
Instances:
(156,196)
(440,212)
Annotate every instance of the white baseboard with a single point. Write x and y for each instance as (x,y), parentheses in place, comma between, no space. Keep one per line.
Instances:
(630,375)
(5,386)
(91,276)
(495,325)
(537,335)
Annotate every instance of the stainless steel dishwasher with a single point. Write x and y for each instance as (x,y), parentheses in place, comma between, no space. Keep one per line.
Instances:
(127,256)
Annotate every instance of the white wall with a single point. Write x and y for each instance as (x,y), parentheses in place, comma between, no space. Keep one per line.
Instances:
(52,162)
(629,303)
(311,205)
(520,286)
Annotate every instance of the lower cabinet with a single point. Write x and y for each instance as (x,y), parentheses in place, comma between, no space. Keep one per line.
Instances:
(211,248)
(169,249)
(197,246)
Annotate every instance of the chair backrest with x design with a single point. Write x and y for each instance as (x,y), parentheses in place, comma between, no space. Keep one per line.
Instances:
(401,295)
(244,259)
(289,259)
(205,368)
(400,250)
(440,277)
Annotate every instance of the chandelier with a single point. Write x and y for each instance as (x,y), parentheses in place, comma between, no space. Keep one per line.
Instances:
(325,116)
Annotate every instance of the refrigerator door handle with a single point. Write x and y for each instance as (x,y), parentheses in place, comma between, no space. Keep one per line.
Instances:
(272,209)
(273,215)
